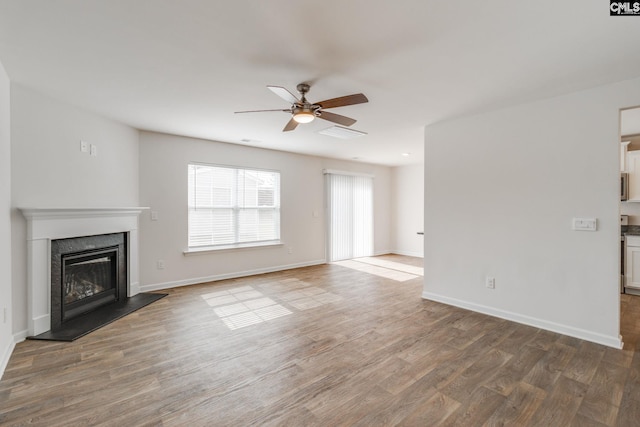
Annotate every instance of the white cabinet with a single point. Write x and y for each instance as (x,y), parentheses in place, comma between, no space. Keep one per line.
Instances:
(623,155)
(632,262)
(633,169)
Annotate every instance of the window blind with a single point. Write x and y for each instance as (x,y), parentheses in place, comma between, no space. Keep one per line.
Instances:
(350,202)
(230,206)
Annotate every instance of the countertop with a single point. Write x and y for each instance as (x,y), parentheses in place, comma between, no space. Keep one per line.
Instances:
(630,230)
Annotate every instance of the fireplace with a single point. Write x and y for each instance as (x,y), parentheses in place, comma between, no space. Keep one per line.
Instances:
(88,281)
(87,273)
(63,225)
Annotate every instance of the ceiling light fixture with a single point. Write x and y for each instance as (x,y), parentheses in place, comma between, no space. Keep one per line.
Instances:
(303,115)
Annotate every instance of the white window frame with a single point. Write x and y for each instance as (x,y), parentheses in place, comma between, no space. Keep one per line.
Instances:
(236,209)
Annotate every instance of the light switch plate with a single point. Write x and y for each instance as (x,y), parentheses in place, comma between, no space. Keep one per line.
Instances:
(585,224)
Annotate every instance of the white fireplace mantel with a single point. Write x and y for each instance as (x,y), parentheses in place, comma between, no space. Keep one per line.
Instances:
(47,224)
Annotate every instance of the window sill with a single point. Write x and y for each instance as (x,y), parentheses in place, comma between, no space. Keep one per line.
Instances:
(238,246)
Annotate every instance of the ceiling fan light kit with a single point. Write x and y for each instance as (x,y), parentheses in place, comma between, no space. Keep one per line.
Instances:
(302,111)
(304,116)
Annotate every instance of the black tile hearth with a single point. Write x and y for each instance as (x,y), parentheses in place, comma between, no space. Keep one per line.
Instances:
(89,322)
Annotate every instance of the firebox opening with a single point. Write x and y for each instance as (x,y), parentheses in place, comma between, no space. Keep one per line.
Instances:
(88,273)
(89,281)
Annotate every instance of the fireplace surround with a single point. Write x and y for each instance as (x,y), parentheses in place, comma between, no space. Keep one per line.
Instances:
(86,273)
(45,225)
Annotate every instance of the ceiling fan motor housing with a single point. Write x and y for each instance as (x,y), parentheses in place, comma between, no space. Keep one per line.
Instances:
(306,108)
(303,88)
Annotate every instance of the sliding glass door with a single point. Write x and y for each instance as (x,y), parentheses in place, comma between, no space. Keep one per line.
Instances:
(350,215)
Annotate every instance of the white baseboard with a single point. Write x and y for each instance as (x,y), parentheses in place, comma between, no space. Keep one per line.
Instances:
(41,324)
(246,273)
(409,253)
(18,337)
(615,342)
(6,355)
(382,252)
(134,289)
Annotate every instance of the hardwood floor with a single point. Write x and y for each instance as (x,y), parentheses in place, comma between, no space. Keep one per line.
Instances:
(328,345)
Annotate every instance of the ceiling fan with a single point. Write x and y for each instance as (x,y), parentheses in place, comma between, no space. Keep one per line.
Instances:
(303,111)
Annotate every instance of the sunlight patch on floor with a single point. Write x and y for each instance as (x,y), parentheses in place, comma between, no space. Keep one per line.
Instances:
(378,270)
(244,306)
(300,295)
(392,265)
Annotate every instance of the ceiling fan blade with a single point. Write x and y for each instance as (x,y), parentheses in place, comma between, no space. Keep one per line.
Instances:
(260,111)
(357,98)
(290,126)
(337,118)
(284,94)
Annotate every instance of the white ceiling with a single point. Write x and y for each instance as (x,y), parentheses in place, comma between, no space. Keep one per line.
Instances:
(184,66)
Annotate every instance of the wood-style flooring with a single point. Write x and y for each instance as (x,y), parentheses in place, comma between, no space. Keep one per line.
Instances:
(330,345)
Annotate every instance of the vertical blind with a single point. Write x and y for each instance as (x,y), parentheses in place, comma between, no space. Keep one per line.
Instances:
(350,204)
(230,205)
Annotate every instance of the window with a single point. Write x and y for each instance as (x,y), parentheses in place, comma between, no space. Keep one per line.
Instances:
(233,207)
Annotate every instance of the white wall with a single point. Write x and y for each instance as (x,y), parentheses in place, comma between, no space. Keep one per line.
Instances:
(48,170)
(407,203)
(633,210)
(501,189)
(163,187)
(6,336)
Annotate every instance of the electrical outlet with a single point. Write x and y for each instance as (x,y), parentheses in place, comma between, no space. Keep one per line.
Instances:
(490,282)
(84,146)
(290,250)
(160,264)
(154,215)
(93,150)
